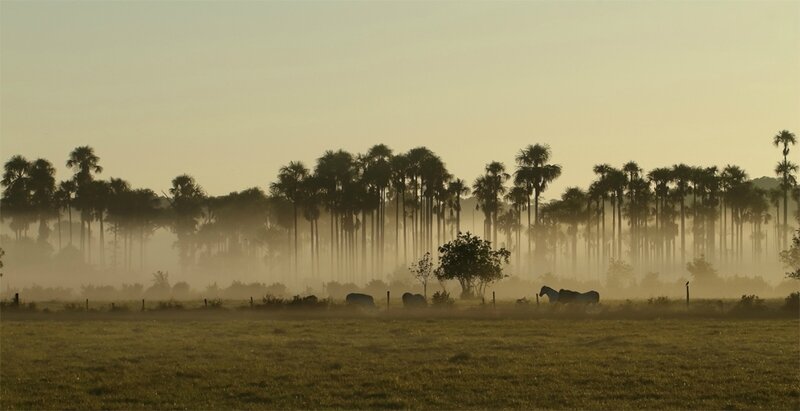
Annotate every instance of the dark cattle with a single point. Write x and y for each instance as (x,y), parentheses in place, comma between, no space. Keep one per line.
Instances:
(359,299)
(414,300)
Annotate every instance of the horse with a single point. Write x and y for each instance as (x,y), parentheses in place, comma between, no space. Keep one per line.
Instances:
(551,294)
(569,296)
(358,299)
(414,300)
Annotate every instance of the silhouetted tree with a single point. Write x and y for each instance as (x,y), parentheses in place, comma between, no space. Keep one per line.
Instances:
(785,169)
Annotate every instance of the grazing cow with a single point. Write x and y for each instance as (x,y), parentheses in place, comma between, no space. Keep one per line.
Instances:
(414,300)
(362,300)
(569,296)
(552,295)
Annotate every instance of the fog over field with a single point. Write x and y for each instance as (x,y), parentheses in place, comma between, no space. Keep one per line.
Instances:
(337,224)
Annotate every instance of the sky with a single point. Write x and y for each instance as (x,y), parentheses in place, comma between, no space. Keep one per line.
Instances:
(230,91)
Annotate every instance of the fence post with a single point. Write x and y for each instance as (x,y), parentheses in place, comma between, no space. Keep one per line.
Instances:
(494,302)
(142,304)
(87,304)
(251,301)
(388,293)
(205,302)
(537,300)
(16,299)
(112,306)
(687,294)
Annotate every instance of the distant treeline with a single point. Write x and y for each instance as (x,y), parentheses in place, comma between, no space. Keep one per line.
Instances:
(357,217)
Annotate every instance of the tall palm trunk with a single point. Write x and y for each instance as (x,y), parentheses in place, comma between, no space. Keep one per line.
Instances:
(405,242)
(397,229)
(528,231)
(102,242)
(619,226)
(69,212)
(58,216)
(296,247)
(683,233)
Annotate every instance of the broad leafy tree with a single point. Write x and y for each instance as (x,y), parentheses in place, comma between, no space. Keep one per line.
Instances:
(472,262)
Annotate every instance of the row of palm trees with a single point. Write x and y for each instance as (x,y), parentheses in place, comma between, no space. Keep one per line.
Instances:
(384,209)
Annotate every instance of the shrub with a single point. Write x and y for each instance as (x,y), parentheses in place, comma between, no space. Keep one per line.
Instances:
(442,299)
(659,301)
(750,303)
(181,290)
(169,305)
(271,302)
(73,307)
(119,308)
(792,302)
(310,301)
(702,270)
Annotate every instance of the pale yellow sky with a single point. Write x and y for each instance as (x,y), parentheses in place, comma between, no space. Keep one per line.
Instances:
(229,92)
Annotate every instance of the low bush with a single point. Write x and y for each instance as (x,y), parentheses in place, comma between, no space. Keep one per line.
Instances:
(659,301)
(792,302)
(119,308)
(749,303)
(169,305)
(74,307)
(442,299)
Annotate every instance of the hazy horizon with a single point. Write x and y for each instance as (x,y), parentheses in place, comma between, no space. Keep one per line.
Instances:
(221,89)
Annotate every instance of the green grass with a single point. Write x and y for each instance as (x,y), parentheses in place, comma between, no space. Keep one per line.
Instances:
(230,361)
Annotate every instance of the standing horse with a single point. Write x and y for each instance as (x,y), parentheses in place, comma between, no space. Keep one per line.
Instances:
(552,295)
(569,296)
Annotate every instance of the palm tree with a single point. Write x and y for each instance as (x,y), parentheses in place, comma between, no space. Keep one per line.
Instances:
(535,174)
(399,166)
(119,210)
(145,213)
(617,181)
(785,169)
(603,189)
(681,176)
(378,175)
(632,171)
(333,171)
(42,185)
(518,197)
(731,177)
(67,190)
(311,200)
(660,177)
(16,194)
(290,186)
(186,201)
(488,190)
(83,161)
(100,195)
(572,212)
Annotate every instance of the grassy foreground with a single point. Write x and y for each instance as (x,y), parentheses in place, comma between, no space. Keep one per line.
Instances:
(399,363)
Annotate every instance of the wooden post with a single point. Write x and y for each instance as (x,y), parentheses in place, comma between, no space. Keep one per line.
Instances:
(494,302)
(87,304)
(687,294)
(537,300)
(112,306)
(142,304)
(388,293)
(251,301)
(16,299)
(205,302)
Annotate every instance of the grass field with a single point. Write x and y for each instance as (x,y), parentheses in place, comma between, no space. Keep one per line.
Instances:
(233,361)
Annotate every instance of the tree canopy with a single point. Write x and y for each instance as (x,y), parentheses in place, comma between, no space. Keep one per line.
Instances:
(472,262)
